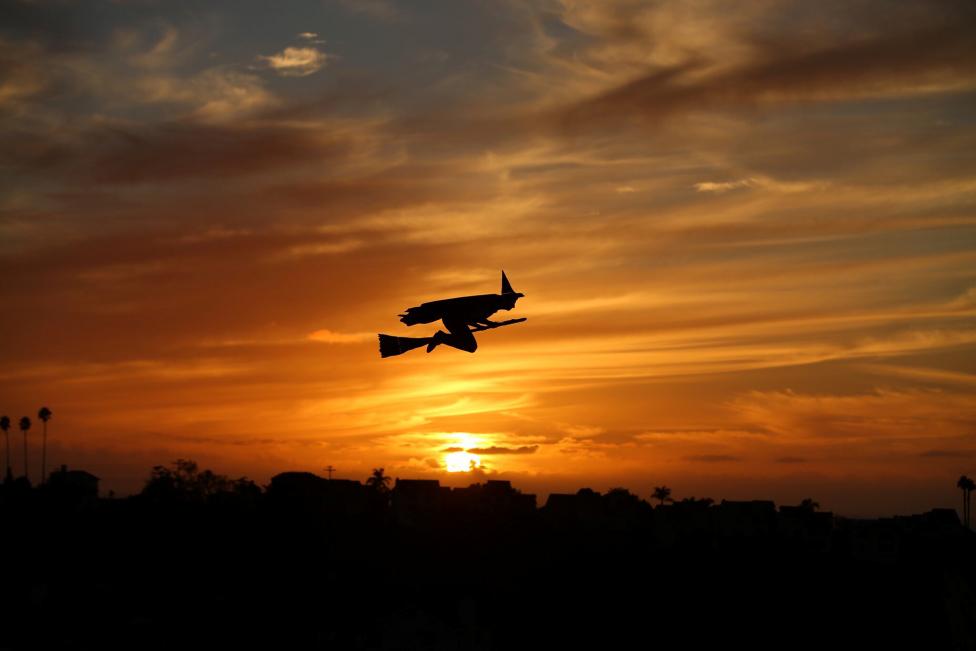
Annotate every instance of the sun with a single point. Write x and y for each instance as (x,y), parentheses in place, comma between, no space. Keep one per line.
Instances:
(462,461)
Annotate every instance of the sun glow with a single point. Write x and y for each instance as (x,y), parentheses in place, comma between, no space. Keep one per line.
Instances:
(462,461)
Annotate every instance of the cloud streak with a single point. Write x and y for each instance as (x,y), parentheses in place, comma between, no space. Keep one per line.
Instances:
(329,337)
(495,449)
(910,60)
(295,61)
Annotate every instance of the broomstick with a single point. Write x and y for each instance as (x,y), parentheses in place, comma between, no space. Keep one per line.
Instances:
(391,345)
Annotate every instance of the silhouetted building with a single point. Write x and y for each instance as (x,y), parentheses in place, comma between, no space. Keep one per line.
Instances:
(803,528)
(625,511)
(560,508)
(873,540)
(463,569)
(584,509)
(495,499)
(417,500)
(937,522)
(72,484)
(296,485)
(684,521)
(309,491)
(889,540)
(745,519)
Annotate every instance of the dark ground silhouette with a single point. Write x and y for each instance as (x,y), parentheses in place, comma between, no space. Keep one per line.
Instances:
(201,560)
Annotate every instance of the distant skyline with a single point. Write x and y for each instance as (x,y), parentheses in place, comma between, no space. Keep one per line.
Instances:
(747,241)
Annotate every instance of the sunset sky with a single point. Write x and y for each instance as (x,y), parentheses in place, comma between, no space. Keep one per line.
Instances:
(745,232)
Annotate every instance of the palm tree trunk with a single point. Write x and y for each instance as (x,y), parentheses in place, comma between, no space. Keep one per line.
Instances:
(44,454)
(26,475)
(969,502)
(9,473)
(965,507)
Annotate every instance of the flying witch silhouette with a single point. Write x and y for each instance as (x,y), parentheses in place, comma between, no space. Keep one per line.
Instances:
(461,316)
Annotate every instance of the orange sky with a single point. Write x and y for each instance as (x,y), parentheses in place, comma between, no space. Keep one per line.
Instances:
(746,241)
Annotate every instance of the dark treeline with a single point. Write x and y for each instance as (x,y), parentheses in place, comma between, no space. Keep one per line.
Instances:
(201,560)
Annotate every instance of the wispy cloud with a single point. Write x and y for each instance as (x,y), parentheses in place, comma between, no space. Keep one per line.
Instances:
(496,449)
(927,56)
(189,151)
(724,186)
(318,248)
(295,61)
(719,187)
(879,415)
(331,337)
(712,458)
(949,454)
(216,94)
(927,375)
(163,52)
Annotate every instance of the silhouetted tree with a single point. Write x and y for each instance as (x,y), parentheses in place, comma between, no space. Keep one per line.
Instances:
(377,486)
(621,495)
(967,486)
(209,484)
(25,424)
(5,426)
(662,493)
(246,488)
(177,483)
(160,485)
(694,501)
(185,482)
(378,482)
(621,499)
(45,415)
(809,504)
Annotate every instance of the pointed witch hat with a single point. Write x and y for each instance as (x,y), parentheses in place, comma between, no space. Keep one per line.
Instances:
(507,287)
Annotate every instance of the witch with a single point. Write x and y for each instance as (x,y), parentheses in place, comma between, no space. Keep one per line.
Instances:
(462,317)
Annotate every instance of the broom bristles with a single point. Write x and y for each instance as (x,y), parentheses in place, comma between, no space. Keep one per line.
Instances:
(390,345)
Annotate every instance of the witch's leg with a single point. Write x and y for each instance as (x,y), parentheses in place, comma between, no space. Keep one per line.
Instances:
(460,337)
(436,340)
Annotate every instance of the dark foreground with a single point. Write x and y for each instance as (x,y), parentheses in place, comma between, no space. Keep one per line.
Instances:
(340,567)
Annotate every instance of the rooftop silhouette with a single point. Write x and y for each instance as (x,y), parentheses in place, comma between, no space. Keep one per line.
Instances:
(409,563)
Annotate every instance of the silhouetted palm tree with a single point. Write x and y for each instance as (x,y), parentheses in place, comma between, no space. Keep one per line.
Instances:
(662,493)
(967,486)
(378,481)
(5,426)
(25,424)
(45,415)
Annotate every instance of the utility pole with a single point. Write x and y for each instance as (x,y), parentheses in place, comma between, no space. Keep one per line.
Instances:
(329,469)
